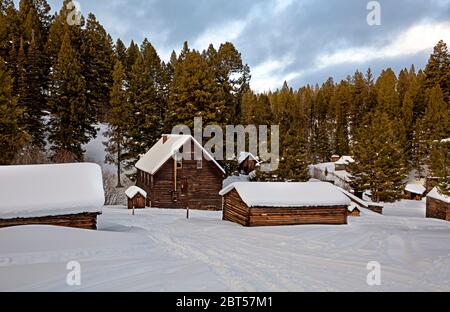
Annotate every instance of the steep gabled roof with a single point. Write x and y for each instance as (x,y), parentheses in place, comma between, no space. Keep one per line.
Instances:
(162,151)
(345,160)
(244,155)
(134,190)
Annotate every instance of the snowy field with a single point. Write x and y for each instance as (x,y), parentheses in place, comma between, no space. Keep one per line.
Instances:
(159,250)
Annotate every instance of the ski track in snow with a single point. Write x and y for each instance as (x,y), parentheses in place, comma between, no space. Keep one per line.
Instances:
(159,250)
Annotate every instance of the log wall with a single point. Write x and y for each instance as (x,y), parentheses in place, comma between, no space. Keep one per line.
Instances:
(235,210)
(81,221)
(438,209)
(138,202)
(196,188)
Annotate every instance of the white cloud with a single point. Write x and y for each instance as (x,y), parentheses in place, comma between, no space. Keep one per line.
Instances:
(281,5)
(271,73)
(416,39)
(219,34)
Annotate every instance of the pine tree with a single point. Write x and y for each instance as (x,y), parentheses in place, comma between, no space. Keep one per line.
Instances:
(13,136)
(379,164)
(118,121)
(436,118)
(98,66)
(437,70)
(439,164)
(120,51)
(71,121)
(195,93)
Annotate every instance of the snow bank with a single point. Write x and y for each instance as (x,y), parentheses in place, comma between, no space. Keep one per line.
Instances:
(50,190)
(281,194)
(134,190)
(437,195)
(415,188)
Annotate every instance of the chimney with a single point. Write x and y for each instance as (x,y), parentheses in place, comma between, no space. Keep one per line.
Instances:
(165,138)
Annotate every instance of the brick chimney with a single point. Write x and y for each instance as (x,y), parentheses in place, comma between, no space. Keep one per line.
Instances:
(165,138)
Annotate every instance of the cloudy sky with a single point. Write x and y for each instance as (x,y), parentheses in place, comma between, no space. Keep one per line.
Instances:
(301,41)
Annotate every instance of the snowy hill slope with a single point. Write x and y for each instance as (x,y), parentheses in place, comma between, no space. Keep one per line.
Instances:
(159,250)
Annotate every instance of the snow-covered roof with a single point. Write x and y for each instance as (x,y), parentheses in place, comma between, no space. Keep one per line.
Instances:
(50,190)
(134,190)
(162,151)
(284,194)
(244,155)
(437,195)
(358,201)
(415,188)
(345,160)
(353,207)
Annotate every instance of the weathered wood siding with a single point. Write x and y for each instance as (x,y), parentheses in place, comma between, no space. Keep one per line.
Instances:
(196,188)
(248,165)
(235,210)
(82,221)
(138,202)
(354,213)
(438,209)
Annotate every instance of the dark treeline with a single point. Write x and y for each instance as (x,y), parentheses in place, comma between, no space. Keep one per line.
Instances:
(58,81)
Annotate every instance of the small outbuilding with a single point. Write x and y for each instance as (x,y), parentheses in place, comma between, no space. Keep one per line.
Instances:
(343,162)
(354,211)
(280,203)
(414,191)
(438,205)
(137,197)
(69,195)
(335,158)
(247,163)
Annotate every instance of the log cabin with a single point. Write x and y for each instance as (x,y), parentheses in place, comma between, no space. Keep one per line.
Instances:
(414,191)
(438,205)
(137,197)
(69,195)
(354,211)
(273,204)
(247,163)
(343,162)
(173,177)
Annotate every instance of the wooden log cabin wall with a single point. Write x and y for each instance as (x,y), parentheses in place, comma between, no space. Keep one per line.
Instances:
(237,211)
(86,221)
(181,183)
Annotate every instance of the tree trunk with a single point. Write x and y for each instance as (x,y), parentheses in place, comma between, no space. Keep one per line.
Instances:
(119,151)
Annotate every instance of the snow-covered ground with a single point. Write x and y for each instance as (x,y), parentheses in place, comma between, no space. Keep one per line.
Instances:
(160,250)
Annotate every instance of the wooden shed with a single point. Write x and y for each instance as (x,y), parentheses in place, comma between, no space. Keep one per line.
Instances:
(414,191)
(354,211)
(178,172)
(137,197)
(247,163)
(343,162)
(438,205)
(69,195)
(270,204)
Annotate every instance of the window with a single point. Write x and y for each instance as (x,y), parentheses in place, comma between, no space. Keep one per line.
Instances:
(180,163)
(200,164)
